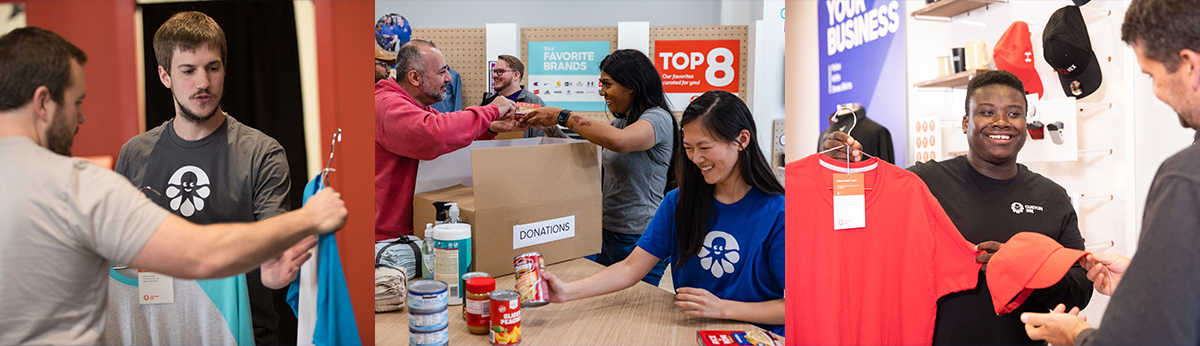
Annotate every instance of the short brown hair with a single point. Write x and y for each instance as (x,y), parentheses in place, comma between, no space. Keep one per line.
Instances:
(514,63)
(408,57)
(185,31)
(1163,29)
(33,57)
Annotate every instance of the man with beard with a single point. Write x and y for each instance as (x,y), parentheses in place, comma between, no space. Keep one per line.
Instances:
(247,170)
(64,221)
(408,130)
(506,81)
(383,63)
(1154,300)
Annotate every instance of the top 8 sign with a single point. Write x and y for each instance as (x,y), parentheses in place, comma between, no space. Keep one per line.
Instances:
(698,66)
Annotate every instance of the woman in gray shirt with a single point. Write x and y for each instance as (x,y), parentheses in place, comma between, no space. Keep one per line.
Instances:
(639,150)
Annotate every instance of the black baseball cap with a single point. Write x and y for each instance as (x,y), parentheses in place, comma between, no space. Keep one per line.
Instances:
(1068,49)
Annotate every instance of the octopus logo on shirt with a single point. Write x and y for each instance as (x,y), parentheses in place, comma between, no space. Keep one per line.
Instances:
(187,190)
(1017,208)
(719,253)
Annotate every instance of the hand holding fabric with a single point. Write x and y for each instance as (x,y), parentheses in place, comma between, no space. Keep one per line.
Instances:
(1105,270)
(989,247)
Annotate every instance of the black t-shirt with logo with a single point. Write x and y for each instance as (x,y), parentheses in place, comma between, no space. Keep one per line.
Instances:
(235,174)
(986,209)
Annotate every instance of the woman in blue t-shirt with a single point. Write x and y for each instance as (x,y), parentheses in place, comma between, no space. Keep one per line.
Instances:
(722,229)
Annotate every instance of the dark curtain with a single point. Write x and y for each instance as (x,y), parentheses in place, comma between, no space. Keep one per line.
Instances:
(262,87)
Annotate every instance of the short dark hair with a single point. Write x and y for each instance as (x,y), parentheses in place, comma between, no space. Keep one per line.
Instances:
(185,31)
(514,63)
(408,57)
(994,77)
(33,57)
(1163,29)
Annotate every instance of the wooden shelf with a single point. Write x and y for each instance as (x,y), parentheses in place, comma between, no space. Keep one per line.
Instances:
(949,81)
(951,8)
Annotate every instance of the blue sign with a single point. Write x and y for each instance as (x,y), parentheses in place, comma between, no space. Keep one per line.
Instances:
(567,74)
(862,60)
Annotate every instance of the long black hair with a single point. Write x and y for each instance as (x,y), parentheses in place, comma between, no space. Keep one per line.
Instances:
(633,70)
(724,115)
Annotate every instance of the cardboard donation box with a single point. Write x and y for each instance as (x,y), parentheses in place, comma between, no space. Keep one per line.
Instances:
(519,195)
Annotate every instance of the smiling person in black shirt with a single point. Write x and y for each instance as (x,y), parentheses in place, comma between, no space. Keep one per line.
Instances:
(990,197)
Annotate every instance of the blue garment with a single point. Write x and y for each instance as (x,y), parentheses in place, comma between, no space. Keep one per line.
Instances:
(615,247)
(743,255)
(335,315)
(453,101)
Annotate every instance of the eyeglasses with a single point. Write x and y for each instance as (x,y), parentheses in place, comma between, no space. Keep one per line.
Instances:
(497,72)
(382,63)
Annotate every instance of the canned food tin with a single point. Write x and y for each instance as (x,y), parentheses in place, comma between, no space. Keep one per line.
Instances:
(428,321)
(505,314)
(530,283)
(427,295)
(432,338)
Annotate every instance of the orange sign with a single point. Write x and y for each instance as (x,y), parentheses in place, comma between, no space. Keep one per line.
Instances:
(698,66)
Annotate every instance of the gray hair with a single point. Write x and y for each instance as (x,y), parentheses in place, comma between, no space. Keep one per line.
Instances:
(408,57)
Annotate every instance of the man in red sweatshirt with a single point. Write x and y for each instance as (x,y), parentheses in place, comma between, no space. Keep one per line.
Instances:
(408,130)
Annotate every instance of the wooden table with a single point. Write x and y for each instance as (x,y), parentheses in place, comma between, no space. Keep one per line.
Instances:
(639,315)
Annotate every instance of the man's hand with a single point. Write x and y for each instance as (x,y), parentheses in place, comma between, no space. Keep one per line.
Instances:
(990,248)
(542,118)
(507,123)
(1105,270)
(281,270)
(699,302)
(507,107)
(1056,327)
(837,139)
(326,210)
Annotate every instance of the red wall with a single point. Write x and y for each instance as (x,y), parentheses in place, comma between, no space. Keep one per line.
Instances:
(344,34)
(104,30)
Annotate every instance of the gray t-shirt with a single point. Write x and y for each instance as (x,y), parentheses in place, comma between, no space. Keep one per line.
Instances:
(235,174)
(634,182)
(62,222)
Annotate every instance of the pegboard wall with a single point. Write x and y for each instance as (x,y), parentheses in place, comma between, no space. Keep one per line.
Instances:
(465,49)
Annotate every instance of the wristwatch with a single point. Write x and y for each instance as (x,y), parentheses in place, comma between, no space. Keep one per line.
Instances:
(563,116)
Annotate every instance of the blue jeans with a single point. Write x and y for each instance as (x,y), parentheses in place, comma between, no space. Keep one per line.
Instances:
(616,246)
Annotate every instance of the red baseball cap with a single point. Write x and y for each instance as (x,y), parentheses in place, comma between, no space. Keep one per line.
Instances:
(1014,53)
(1028,261)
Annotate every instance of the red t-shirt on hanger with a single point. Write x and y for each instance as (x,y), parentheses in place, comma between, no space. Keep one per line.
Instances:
(875,285)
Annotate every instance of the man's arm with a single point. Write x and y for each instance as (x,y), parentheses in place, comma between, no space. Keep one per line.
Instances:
(181,249)
(407,130)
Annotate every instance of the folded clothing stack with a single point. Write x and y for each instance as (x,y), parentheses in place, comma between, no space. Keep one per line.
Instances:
(390,289)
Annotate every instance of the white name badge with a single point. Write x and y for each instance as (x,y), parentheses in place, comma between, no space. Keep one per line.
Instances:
(542,232)
(155,288)
(849,204)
